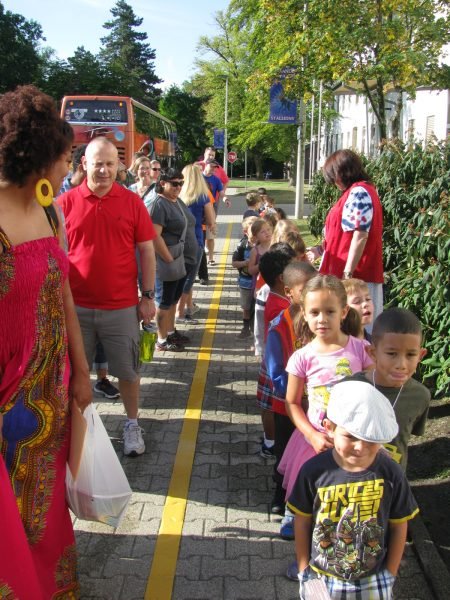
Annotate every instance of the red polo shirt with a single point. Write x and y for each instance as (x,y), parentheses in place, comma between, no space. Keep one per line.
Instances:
(102,234)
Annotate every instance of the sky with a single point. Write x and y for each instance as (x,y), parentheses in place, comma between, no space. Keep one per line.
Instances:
(173,28)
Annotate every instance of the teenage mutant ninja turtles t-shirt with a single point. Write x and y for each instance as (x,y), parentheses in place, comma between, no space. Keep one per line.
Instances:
(351,512)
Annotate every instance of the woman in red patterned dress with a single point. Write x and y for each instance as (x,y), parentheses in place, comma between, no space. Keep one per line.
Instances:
(42,363)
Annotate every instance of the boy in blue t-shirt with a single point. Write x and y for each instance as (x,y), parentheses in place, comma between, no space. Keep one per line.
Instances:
(352,502)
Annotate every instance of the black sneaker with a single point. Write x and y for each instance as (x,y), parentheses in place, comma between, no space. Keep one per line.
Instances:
(105,388)
(177,338)
(204,281)
(277,507)
(266,452)
(169,346)
(244,334)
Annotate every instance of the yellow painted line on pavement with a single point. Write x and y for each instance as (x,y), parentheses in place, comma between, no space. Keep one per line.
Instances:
(162,573)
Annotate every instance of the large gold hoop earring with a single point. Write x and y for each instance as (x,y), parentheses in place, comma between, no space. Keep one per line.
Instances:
(44,192)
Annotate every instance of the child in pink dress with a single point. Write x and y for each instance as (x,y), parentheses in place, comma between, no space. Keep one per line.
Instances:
(331,356)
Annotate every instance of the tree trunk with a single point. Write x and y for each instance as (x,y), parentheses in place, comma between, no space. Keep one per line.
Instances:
(396,121)
(381,113)
(258,166)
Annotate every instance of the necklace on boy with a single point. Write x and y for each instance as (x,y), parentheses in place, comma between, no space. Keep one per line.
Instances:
(398,395)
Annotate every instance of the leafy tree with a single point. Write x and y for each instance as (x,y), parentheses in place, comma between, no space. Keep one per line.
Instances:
(19,40)
(128,57)
(248,106)
(186,110)
(375,44)
(81,73)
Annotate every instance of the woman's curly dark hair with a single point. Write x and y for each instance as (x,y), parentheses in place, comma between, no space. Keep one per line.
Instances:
(32,134)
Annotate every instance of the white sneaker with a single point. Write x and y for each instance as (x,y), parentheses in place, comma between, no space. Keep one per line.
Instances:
(193,310)
(133,444)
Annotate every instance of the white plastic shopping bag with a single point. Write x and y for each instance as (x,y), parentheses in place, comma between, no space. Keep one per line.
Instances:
(101,491)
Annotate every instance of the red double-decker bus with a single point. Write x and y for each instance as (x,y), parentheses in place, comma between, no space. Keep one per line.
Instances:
(129,124)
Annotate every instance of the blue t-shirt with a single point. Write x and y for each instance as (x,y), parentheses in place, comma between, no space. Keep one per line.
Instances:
(214,184)
(198,210)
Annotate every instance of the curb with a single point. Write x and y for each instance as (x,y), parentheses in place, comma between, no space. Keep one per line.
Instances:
(433,566)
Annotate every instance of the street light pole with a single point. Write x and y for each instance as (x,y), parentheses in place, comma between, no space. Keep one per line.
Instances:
(300,175)
(225,140)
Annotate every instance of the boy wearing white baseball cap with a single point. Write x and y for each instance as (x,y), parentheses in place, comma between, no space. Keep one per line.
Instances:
(352,502)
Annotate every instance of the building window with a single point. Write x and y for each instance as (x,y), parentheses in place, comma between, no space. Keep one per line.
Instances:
(363,140)
(348,139)
(429,132)
(354,138)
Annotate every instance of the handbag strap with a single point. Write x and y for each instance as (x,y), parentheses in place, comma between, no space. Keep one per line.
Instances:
(183,235)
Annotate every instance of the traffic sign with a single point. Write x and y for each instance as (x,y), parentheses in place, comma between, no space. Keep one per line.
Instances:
(232,157)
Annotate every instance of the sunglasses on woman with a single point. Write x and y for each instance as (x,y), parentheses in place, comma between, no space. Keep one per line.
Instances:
(176,183)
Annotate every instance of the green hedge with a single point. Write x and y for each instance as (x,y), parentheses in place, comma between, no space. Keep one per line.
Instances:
(413,184)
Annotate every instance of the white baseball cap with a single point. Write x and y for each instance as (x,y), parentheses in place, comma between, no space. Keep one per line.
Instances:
(359,408)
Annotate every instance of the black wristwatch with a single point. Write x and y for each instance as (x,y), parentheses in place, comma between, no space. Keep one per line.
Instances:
(150,294)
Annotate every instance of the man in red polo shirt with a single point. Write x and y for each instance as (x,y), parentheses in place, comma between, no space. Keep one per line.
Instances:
(105,223)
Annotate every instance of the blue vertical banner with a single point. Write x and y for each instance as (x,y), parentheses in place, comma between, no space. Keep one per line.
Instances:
(173,138)
(219,138)
(282,110)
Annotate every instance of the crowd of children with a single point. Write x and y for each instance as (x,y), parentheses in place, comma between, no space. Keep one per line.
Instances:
(338,407)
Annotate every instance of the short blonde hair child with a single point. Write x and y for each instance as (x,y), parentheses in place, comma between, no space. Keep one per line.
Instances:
(247,223)
(281,228)
(354,285)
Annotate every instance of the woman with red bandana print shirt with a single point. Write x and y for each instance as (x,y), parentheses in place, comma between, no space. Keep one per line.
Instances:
(354,227)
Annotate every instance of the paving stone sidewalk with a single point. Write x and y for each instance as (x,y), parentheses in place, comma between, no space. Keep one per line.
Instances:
(230,547)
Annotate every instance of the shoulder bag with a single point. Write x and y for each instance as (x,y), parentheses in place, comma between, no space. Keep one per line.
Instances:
(175,270)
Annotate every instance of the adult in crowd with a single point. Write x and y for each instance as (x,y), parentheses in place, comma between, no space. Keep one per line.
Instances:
(177,250)
(77,174)
(195,196)
(146,172)
(217,190)
(103,386)
(43,368)
(210,154)
(105,222)
(122,173)
(352,244)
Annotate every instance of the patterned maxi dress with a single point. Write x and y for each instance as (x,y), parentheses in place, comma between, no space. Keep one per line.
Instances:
(37,546)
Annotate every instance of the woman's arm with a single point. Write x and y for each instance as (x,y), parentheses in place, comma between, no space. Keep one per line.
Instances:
(319,441)
(357,245)
(160,245)
(253,268)
(79,386)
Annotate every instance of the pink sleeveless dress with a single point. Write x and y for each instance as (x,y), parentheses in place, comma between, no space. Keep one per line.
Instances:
(37,544)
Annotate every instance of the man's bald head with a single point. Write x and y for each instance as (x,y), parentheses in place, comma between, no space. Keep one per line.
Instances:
(101,162)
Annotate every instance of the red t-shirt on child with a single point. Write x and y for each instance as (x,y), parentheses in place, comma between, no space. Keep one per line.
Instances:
(274,305)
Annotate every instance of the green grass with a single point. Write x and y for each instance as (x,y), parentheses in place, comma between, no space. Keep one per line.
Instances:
(278,189)
(309,239)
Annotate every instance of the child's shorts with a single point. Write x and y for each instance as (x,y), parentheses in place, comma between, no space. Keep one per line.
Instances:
(379,585)
(247,298)
(264,389)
